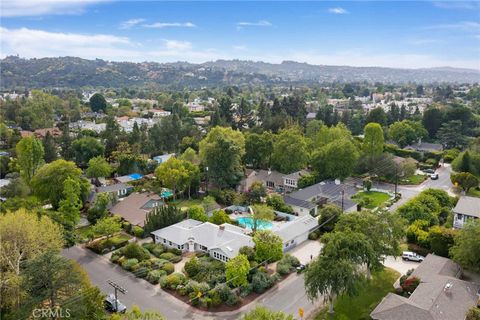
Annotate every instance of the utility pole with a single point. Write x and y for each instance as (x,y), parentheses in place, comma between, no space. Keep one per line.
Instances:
(343,194)
(117,287)
(396,179)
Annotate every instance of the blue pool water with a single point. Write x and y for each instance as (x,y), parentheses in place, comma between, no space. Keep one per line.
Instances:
(136,176)
(247,222)
(166,194)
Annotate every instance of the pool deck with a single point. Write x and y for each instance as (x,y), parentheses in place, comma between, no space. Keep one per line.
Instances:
(275,224)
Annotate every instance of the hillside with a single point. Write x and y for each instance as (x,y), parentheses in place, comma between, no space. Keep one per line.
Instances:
(76,72)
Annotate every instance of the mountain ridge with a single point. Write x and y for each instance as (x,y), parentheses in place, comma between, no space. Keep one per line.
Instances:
(74,72)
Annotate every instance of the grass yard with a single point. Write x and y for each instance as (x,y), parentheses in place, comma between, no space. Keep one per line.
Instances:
(376,198)
(474,192)
(185,203)
(369,295)
(416,179)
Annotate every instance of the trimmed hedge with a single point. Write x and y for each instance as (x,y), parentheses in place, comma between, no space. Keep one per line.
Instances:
(106,245)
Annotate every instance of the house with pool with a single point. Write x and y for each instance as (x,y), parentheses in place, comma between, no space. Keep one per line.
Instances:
(224,241)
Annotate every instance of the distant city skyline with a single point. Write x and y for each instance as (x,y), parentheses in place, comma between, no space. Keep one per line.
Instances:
(407,34)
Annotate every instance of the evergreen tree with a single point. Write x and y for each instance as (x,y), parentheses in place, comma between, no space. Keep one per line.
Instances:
(50,148)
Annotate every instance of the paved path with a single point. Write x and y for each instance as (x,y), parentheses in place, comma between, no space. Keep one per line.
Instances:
(287,296)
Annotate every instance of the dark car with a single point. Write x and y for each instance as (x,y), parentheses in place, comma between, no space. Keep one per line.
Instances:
(429,171)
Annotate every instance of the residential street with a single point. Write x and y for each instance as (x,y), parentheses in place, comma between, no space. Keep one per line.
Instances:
(287,296)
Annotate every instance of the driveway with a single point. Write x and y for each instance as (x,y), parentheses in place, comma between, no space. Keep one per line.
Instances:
(399,265)
(307,251)
(287,296)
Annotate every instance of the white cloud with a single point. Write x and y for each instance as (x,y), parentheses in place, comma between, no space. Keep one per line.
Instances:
(178,45)
(31,43)
(465,5)
(27,8)
(260,23)
(161,25)
(131,23)
(337,10)
(470,26)
(239,48)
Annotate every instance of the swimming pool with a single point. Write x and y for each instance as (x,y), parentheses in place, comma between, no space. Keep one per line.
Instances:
(247,222)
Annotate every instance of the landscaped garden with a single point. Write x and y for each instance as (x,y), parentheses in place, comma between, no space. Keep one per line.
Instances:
(370,293)
(150,261)
(107,244)
(371,199)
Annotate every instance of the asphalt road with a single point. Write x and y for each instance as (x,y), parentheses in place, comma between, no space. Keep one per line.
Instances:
(287,296)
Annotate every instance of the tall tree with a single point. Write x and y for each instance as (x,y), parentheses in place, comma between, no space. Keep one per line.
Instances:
(450,136)
(432,120)
(173,174)
(336,160)
(261,212)
(330,276)
(98,103)
(24,236)
(466,250)
(373,140)
(237,270)
(86,148)
(222,151)
(98,167)
(268,246)
(50,148)
(48,185)
(289,151)
(71,203)
(258,149)
(377,115)
(383,230)
(29,156)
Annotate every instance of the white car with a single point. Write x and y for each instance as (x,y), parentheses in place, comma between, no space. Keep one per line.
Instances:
(412,256)
(114,305)
(434,176)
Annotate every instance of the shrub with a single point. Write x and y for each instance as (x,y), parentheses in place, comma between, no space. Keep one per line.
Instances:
(175,251)
(261,282)
(168,267)
(137,231)
(154,276)
(192,267)
(157,263)
(115,257)
(141,272)
(133,250)
(224,292)
(313,235)
(215,298)
(167,256)
(283,268)
(172,281)
(410,284)
(245,290)
(129,264)
(106,245)
(248,251)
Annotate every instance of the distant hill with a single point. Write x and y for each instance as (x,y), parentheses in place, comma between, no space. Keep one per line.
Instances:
(74,72)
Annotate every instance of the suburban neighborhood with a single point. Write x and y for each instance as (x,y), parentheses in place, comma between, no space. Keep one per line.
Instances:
(239,160)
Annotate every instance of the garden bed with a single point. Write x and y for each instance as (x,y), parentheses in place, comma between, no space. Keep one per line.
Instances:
(150,261)
(106,245)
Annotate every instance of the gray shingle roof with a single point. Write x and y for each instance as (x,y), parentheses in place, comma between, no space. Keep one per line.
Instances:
(469,206)
(227,237)
(298,203)
(441,295)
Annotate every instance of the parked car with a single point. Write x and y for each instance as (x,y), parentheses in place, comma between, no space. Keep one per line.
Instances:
(412,256)
(114,306)
(434,176)
(429,171)
(301,268)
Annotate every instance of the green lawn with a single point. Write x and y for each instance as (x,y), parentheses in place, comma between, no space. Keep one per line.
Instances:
(83,232)
(377,198)
(186,203)
(416,179)
(369,295)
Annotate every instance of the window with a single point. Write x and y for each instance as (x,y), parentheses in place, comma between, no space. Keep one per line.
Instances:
(270,184)
(164,240)
(178,246)
(170,242)
(459,216)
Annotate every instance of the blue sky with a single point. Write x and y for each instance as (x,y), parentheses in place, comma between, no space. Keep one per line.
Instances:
(406,34)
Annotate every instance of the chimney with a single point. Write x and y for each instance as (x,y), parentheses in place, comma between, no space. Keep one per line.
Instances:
(269,171)
(222,227)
